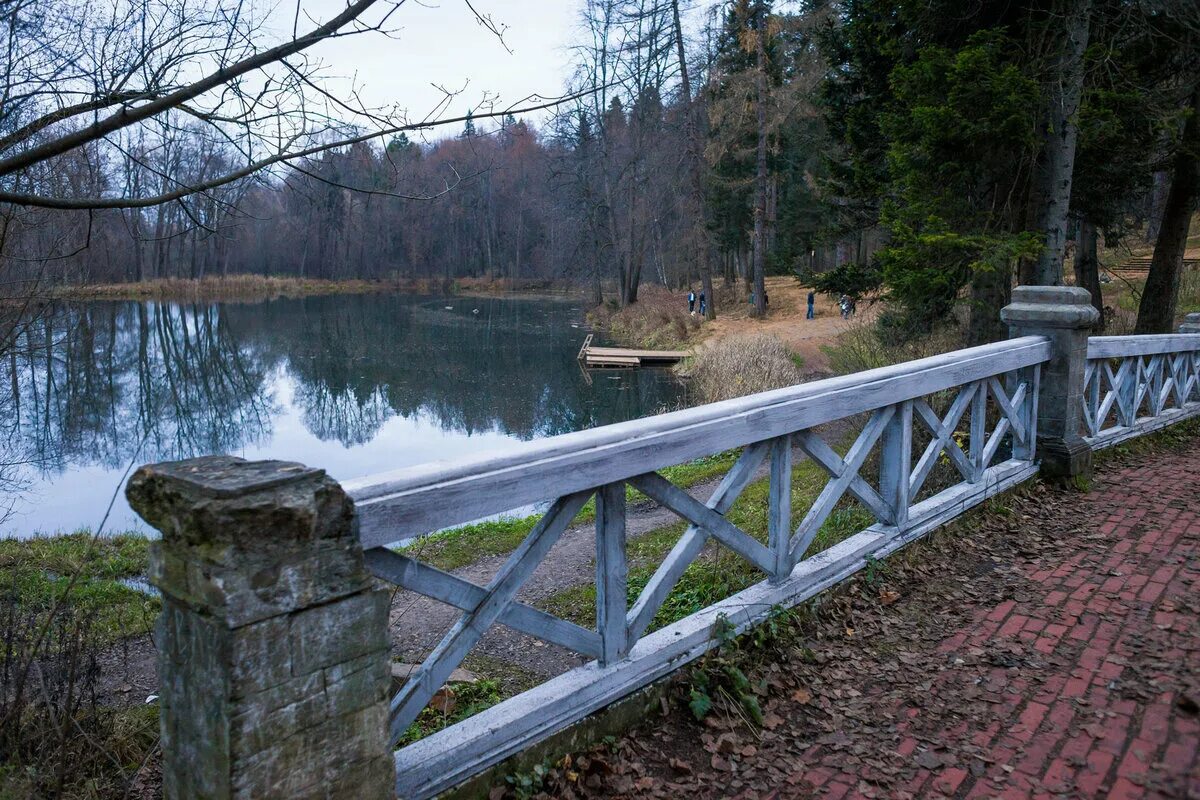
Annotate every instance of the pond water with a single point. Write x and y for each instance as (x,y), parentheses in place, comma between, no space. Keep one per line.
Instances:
(355,384)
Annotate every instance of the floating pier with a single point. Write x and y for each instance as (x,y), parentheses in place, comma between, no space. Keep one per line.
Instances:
(601,357)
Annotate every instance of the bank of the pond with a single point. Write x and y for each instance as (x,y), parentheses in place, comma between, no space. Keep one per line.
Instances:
(256,288)
(660,320)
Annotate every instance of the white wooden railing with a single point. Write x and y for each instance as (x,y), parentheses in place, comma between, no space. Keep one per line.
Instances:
(1136,384)
(995,387)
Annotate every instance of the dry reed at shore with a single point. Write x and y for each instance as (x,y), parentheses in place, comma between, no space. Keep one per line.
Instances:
(741,365)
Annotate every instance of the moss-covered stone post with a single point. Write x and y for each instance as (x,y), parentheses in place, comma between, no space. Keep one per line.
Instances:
(1064,315)
(273,646)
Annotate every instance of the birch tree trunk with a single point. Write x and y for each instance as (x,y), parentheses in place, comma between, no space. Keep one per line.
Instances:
(1058,153)
(695,167)
(760,179)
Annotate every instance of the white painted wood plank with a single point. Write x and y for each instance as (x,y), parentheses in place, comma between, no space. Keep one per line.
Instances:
(943,439)
(1144,425)
(1010,408)
(994,441)
(846,476)
(1142,345)
(978,430)
(680,502)
(692,542)
(449,653)
(779,507)
(464,595)
(895,463)
(414,501)
(612,572)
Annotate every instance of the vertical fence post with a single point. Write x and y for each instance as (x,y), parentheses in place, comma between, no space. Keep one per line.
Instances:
(895,463)
(779,519)
(272,643)
(612,573)
(1064,315)
(1027,450)
(978,430)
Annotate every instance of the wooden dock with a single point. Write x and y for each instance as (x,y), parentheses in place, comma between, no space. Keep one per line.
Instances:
(621,357)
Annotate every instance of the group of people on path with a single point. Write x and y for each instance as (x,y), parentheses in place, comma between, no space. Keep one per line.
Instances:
(846,304)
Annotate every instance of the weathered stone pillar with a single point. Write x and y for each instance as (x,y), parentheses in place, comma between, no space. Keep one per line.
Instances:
(1065,315)
(1191,323)
(273,646)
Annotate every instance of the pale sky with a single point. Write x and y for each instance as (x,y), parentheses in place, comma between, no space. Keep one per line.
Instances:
(440,41)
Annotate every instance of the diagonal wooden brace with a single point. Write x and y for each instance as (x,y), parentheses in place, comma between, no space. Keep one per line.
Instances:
(449,653)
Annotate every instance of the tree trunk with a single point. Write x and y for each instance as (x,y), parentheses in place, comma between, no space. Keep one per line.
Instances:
(1087,267)
(1156,314)
(1058,145)
(990,291)
(696,169)
(760,182)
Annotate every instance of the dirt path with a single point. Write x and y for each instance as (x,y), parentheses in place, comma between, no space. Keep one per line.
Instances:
(786,321)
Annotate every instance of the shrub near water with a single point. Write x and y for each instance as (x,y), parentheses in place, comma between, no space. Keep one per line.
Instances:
(741,365)
(658,320)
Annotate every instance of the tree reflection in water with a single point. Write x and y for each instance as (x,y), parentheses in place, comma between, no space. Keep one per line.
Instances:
(90,388)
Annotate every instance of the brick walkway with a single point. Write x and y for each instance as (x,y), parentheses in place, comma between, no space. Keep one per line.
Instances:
(1109,708)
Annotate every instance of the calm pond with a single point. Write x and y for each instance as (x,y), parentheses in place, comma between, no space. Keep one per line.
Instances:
(355,384)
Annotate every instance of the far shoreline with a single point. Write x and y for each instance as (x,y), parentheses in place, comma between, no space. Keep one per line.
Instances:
(259,288)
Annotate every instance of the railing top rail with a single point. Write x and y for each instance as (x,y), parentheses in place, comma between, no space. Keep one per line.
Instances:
(413,501)
(1145,345)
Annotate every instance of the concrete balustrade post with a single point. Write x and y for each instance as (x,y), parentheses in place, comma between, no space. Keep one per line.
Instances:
(1064,315)
(273,646)
(1191,323)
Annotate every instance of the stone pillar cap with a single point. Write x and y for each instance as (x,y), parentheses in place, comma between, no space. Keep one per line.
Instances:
(1191,323)
(228,476)
(1050,307)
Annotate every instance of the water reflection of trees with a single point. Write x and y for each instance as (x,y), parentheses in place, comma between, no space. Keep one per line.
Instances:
(101,383)
(91,383)
(481,365)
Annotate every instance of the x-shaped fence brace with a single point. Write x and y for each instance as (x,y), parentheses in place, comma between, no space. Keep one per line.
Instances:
(618,628)
(1138,383)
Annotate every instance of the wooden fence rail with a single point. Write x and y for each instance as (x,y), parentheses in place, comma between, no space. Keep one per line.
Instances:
(1137,384)
(995,386)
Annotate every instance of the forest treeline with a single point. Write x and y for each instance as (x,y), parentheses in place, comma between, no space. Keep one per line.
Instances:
(940,150)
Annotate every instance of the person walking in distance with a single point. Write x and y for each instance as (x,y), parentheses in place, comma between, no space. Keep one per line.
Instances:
(691,301)
(812,300)
(703,303)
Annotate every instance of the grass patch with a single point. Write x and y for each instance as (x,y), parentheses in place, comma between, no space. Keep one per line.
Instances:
(34,574)
(462,700)
(55,643)
(458,547)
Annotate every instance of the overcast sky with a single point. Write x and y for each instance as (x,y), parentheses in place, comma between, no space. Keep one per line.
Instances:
(441,41)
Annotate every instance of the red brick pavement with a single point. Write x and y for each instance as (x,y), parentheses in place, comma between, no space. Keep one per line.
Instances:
(1111,712)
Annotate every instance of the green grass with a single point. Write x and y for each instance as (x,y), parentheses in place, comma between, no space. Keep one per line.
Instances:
(467,544)
(718,573)
(36,572)
(468,699)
